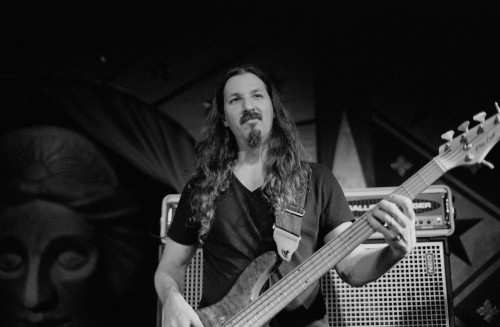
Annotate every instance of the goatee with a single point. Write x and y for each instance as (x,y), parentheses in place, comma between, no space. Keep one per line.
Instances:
(254,138)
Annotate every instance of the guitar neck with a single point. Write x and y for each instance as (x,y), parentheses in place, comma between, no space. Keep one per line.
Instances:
(298,280)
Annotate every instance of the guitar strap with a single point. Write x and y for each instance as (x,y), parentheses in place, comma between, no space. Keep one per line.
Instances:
(288,225)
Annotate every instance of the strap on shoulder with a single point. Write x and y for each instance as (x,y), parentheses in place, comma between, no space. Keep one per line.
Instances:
(288,225)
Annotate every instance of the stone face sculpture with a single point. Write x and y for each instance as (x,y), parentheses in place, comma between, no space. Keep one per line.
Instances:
(71,250)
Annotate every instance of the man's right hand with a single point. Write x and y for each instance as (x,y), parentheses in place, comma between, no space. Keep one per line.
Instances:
(176,312)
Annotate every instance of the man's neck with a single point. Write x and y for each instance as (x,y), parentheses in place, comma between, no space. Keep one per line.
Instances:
(249,168)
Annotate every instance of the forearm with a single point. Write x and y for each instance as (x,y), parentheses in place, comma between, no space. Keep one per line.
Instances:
(168,286)
(169,276)
(363,266)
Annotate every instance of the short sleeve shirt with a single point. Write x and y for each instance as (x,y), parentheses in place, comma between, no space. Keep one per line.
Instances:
(242,230)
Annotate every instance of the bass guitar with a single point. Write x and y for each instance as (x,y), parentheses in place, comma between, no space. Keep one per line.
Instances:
(244,306)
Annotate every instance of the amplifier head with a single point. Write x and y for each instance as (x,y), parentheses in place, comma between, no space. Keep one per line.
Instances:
(433,208)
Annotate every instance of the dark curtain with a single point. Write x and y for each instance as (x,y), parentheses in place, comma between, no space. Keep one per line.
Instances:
(138,132)
(120,122)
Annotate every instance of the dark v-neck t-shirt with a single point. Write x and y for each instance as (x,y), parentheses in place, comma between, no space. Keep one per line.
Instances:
(242,230)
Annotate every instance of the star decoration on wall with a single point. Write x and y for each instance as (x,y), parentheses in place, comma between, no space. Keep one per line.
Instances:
(401,165)
(488,311)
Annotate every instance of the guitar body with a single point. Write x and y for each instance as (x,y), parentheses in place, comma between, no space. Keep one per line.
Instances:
(244,291)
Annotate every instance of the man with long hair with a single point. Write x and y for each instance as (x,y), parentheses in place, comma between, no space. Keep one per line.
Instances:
(250,166)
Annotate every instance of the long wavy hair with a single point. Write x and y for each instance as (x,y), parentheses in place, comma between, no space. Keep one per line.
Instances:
(285,166)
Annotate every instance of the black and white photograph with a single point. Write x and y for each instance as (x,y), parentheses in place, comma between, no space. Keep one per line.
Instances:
(249,163)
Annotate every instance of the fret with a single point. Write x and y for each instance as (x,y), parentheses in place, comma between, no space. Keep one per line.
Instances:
(440,164)
(407,192)
(422,179)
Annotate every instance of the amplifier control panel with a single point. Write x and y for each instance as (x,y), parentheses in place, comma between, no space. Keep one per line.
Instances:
(433,208)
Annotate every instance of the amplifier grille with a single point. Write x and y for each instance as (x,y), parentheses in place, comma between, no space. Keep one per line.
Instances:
(412,293)
(194,280)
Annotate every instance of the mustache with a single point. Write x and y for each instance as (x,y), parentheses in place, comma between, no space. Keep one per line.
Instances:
(248,115)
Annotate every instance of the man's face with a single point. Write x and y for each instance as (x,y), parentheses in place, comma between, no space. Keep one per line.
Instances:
(248,110)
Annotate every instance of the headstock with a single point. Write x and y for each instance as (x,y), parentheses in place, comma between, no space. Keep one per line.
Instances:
(472,146)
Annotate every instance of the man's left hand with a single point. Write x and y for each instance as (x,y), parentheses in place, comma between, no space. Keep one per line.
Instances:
(394,218)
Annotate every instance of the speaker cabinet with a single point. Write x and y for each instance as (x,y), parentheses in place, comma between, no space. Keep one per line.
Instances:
(415,292)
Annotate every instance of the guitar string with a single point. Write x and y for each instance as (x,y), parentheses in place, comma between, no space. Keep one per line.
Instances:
(292,276)
(322,258)
(264,297)
(361,232)
(365,230)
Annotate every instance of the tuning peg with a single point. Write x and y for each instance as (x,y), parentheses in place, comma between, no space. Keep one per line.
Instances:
(480,117)
(448,136)
(464,127)
(497,118)
(488,164)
